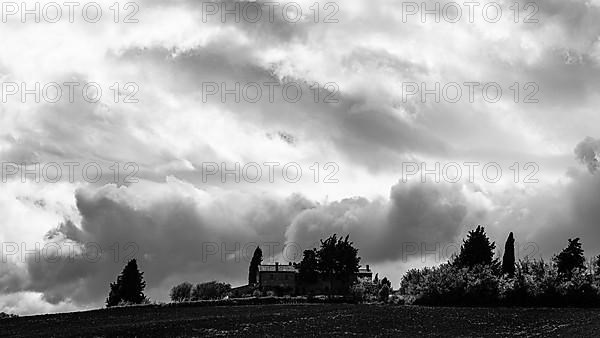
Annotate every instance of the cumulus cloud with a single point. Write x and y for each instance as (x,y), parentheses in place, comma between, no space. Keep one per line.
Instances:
(587,152)
(368,132)
(415,214)
(177,232)
(172,228)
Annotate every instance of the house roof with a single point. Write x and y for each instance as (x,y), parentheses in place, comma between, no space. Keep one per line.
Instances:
(291,268)
(271,268)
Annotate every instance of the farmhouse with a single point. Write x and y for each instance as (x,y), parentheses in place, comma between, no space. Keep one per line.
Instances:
(283,279)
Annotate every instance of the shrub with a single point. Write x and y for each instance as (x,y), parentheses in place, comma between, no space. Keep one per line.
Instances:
(181,292)
(535,283)
(145,301)
(475,278)
(210,290)
(4,315)
(580,290)
(397,300)
(451,285)
(364,291)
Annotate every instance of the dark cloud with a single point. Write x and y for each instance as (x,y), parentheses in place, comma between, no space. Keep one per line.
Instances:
(173,234)
(587,152)
(175,229)
(416,214)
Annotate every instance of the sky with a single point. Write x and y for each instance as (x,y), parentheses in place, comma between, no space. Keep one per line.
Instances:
(186,133)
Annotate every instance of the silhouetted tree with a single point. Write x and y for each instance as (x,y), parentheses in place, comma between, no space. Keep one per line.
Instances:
(376,279)
(307,269)
(113,295)
(210,290)
(384,293)
(254,263)
(338,260)
(508,259)
(129,287)
(476,249)
(4,315)
(387,282)
(181,292)
(570,258)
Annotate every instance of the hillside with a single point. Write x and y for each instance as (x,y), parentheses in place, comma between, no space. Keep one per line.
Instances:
(292,320)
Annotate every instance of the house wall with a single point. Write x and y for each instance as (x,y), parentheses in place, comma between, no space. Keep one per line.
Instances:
(284,280)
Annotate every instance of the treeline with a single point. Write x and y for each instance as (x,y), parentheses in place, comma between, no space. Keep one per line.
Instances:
(4,315)
(475,278)
(186,292)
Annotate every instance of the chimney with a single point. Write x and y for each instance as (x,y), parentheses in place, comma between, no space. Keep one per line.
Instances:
(276,266)
(368,267)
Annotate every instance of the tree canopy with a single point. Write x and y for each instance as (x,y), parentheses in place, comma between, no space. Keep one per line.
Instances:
(307,269)
(129,287)
(336,261)
(570,258)
(475,250)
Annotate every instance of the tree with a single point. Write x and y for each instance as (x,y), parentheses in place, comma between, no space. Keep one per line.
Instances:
(386,281)
(4,315)
(210,290)
(338,261)
(376,279)
(569,259)
(508,259)
(307,269)
(254,263)
(129,287)
(476,249)
(384,293)
(113,295)
(181,292)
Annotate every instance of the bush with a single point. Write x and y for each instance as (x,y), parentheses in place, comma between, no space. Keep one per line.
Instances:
(210,290)
(580,290)
(4,315)
(451,285)
(145,301)
(397,300)
(535,283)
(384,293)
(181,292)
(364,291)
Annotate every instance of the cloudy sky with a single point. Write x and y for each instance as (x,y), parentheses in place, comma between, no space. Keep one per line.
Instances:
(348,97)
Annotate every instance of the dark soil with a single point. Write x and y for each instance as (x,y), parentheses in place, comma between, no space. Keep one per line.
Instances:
(308,319)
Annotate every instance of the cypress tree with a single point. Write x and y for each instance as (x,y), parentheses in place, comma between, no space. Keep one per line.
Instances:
(129,286)
(254,263)
(508,260)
